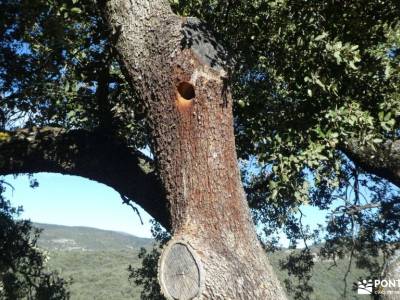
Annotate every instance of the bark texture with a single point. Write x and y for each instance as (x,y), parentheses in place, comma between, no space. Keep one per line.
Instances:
(176,68)
(383,161)
(87,154)
(393,274)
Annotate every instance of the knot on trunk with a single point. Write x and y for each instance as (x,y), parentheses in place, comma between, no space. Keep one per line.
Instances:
(180,271)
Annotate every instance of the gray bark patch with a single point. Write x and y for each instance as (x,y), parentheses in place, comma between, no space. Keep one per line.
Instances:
(179,272)
(197,37)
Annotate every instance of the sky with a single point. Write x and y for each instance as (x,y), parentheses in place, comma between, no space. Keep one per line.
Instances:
(75,201)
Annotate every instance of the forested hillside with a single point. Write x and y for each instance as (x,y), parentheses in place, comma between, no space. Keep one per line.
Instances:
(97,260)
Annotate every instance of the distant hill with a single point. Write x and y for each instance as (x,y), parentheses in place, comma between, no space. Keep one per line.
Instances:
(97,260)
(57,237)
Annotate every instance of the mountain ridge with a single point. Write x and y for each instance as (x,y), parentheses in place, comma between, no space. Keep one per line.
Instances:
(62,237)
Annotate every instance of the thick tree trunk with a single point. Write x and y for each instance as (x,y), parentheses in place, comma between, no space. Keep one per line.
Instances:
(175,66)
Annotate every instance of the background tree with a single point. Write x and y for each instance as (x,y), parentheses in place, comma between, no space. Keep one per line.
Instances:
(23,273)
(316,112)
(146,274)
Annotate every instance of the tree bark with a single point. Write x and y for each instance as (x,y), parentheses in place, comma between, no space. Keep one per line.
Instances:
(392,275)
(177,69)
(87,154)
(383,161)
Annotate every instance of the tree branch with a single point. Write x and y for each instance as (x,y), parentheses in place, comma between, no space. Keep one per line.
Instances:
(383,161)
(87,154)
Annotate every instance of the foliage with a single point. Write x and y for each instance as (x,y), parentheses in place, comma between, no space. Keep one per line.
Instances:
(146,275)
(58,69)
(22,265)
(97,274)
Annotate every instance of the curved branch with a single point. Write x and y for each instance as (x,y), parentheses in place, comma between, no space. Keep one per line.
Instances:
(382,160)
(87,154)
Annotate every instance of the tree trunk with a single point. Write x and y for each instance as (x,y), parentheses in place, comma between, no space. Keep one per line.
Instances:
(391,288)
(177,70)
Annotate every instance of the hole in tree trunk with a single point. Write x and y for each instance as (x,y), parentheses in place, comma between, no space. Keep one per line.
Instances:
(186,90)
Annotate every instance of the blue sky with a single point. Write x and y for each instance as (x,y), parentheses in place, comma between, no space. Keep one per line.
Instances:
(75,201)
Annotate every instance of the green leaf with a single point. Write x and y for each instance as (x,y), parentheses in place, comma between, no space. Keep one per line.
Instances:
(388,71)
(321,36)
(352,65)
(76,10)
(336,54)
(319,82)
(391,122)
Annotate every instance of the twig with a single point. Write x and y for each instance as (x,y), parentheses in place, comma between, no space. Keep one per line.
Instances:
(127,201)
